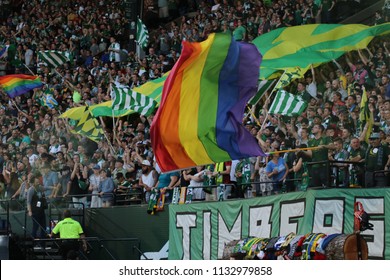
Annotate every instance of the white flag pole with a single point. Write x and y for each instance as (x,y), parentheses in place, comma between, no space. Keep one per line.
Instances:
(268,98)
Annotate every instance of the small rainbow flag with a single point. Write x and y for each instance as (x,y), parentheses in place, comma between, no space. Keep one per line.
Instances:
(199,120)
(18,84)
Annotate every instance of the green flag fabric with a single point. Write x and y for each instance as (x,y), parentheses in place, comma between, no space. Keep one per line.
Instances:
(288,76)
(262,88)
(365,116)
(126,99)
(300,46)
(287,104)
(88,126)
(142,34)
(54,59)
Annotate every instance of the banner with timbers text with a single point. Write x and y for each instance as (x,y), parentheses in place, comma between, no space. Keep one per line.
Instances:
(200,230)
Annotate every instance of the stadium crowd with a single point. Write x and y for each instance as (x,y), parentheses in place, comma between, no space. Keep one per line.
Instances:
(37,144)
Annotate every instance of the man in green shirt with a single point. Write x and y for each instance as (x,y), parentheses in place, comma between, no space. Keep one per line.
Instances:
(357,153)
(243,175)
(377,158)
(70,232)
(318,171)
(239,32)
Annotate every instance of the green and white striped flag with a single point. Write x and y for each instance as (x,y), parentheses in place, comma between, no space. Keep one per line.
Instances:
(127,99)
(262,88)
(142,34)
(53,59)
(287,104)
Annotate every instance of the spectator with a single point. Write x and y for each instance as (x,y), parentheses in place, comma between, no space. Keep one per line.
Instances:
(106,188)
(377,158)
(94,183)
(277,171)
(36,208)
(320,154)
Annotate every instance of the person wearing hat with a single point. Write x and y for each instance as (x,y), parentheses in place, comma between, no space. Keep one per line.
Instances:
(358,71)
(98,155)
(118,169)
(94,182)
(122,188)
(377,158)
(148,179)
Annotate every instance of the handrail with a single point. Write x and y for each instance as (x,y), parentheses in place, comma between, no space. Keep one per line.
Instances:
(89,240)
(329,164)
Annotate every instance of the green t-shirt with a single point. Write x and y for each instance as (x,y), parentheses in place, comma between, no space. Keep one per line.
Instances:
(239,33)
(244,167)
(359,152)
(319,154)
(376,158)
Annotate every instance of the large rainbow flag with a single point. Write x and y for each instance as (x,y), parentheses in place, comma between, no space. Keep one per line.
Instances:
(18,84)
(199,120)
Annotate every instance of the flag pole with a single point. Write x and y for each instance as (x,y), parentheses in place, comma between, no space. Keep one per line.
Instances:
(295,150)
(251,110)
(109,142)
(112,109)
(273,90)
(265,91)
(32,73)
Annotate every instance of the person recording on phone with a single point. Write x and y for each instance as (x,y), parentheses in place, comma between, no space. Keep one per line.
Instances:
(78,188)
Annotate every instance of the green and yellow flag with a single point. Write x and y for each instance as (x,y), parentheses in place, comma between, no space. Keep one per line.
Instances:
(366,116)
(299,46)
(88,126)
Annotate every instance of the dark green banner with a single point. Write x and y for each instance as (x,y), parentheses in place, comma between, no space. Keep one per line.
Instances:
(200,230)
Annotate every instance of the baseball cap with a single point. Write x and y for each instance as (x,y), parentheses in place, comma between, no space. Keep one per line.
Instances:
(374,135)
(146,162)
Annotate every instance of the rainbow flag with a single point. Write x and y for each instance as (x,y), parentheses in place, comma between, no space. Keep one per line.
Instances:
(18,84)
(199,120)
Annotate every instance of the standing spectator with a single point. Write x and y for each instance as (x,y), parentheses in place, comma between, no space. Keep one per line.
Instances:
(222,176)
(148,179)
(377,158)
(195,177)
(301,171)
(340,170)
(94,183)
(359,73)
(35,208)
(357,154)
(50,181)
(163,11)
(318,171)
(114,50)
(77,188)
(327,9)
(106,188)
(166,183)
(243,175)
(277,171)
(239,33)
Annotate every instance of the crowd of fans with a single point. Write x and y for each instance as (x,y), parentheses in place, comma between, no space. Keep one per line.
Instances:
(36,143)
